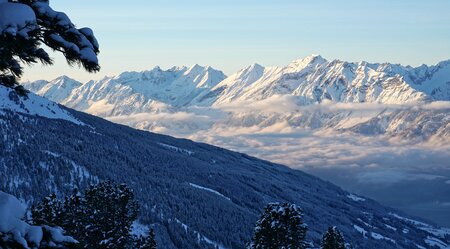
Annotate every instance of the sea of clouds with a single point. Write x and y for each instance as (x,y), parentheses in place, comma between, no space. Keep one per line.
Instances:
(412,175)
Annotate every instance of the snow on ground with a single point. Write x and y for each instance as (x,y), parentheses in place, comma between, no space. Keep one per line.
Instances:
(365,223)
(201,237)
(209,190)
(12,215)
(33,105)
(436,242)
(176,149)
(379,236)
(438,232)
(355,197)
(360,230)
(53,154)
(139,229)
(391,227)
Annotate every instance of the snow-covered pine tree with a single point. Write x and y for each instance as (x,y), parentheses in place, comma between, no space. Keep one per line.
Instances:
(102,218)
(49,212)
(112,210)
(69,214)
(280,226)
(332,239)
(74,217)
(26,25)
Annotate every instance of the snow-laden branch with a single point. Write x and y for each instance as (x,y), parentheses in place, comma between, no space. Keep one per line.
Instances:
(27,24)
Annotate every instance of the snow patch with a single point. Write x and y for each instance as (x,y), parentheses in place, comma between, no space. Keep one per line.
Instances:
(355,197)
(436,242)
(209,190)
(53,154)
(360,230)
(201,237)
(177,149)
(139,229)
(378,236)
(391,227)
(436,231)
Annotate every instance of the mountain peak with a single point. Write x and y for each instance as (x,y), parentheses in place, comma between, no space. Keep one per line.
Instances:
(195,69)
(65,81)
(313,57)
(255,66)
(311,60)
(63,77)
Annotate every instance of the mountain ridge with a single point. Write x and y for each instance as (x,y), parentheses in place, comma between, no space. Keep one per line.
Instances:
(313,77)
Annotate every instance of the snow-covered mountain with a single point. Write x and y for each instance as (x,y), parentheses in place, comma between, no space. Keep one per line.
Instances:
(315,79)
(312,80)
(131,92)
(194,194)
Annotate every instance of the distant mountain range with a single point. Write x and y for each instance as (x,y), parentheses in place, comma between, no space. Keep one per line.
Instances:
(312,79)
(384,127)
(306,82)
(194,194)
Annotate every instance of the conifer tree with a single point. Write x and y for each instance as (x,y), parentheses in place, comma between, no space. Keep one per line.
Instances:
(333,239)
(75,215)
(48,212)
(150,242)
(280,226)
(147,242)
(112,209)
(26,25)
(102,218)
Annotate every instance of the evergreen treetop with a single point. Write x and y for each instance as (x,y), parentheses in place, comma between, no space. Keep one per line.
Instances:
(333,239)
(26,25)
(101,218)
(280,226)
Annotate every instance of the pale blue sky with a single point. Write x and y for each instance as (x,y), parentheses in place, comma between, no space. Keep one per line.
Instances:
(230,34)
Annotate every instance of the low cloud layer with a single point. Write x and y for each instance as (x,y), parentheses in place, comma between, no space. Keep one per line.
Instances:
(416,174)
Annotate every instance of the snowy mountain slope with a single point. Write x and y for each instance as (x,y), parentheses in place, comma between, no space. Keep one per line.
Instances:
(183,186)
(33,105)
